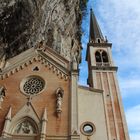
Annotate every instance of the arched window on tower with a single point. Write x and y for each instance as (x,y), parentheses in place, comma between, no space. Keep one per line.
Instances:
(105,58)
(101,58)
(98,57)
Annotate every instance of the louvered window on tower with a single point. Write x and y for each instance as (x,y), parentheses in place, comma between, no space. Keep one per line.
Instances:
(101,58)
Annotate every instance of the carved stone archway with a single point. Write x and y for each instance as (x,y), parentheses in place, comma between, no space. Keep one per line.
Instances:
(25,129)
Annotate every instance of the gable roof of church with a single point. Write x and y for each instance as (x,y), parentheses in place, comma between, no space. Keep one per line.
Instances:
(47,57)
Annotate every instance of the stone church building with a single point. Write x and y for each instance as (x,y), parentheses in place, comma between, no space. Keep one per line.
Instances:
(40,98)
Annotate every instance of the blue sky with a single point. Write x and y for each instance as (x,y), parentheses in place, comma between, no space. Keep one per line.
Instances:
(120,22)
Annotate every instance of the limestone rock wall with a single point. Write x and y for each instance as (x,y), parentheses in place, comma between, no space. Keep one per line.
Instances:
(25,23)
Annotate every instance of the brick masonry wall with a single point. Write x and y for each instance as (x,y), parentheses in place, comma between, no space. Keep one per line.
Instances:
(16,99)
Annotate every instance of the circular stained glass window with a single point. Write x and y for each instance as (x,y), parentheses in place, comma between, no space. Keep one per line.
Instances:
(33,85)
(87,128)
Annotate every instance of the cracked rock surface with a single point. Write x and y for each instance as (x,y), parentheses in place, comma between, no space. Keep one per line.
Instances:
(24,23)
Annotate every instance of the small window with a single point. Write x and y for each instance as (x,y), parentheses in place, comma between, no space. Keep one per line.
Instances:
(99,41)
(87,128)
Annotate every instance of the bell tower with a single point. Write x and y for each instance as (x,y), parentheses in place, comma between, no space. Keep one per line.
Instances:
(102,75)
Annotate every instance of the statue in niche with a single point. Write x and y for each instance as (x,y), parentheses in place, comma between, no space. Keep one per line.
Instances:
(2,95)
(59,97)
(25,128)
(59,102)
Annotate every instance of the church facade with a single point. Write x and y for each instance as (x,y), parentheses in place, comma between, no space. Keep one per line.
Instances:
(40,98)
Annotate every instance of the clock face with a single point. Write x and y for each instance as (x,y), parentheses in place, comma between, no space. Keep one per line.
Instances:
(32,85)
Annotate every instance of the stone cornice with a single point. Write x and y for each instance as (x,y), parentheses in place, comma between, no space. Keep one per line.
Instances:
(111,68)
(99,44)
(90,89)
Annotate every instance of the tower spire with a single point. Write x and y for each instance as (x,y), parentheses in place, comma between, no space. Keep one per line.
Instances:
(95,31)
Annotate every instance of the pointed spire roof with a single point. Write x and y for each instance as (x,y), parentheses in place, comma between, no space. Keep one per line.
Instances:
(95,31)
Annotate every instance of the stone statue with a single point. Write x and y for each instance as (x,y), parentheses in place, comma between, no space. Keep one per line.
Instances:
(59,97)
(59,103)
(2,95)
(75,54)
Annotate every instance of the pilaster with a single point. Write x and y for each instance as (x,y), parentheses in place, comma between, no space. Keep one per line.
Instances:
(74,132)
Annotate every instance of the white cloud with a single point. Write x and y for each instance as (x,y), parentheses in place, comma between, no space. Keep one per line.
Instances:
(133,120)
(130,87)
(120,20)
(135,136)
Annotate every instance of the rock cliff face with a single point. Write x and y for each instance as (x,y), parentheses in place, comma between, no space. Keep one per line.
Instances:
(25,23)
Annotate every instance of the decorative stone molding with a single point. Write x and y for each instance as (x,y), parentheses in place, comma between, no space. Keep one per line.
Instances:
(46,62)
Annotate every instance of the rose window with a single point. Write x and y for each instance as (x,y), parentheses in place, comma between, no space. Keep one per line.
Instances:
(33,85)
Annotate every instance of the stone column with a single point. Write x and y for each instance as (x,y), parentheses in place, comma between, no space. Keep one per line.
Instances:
(74,106)
(44,126)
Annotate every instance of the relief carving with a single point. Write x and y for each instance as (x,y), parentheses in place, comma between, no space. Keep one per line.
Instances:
(25,128)
(75,54)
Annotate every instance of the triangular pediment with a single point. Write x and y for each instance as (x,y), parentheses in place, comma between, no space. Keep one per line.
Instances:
(27,111)
(48,58)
